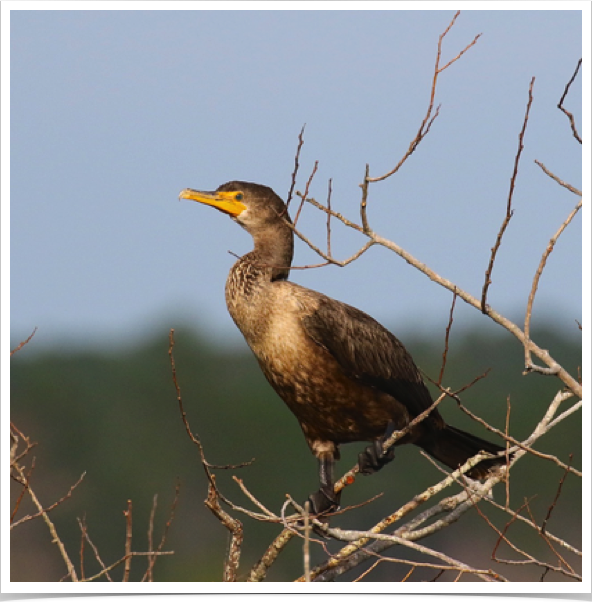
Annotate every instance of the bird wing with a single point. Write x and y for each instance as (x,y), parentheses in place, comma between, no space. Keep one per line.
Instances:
(368,352)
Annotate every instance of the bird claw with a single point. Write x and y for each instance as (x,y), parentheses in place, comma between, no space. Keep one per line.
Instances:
(373,458)
(323,501)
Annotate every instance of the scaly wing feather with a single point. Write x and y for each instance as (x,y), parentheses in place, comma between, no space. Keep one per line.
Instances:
(369,353)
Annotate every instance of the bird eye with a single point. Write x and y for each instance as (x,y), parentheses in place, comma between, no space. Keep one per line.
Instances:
(239,196)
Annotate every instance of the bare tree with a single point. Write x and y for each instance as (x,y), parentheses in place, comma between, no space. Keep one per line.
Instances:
(399,528)
(22,468)
(408,525)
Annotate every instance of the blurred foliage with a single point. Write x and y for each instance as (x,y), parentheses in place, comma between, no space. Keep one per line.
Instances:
(115,415)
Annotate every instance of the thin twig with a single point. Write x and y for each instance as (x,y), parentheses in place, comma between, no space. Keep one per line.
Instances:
(565,111)
(536,527)
(528,363)
(305,195)
(329,191)
(556,498)
(364,201)
(525,446)
(509,210)
(149,573)
(429,118)
(558,180)
(507,434)
(45,511)
(329,259)
(16,436)
(195,438)
(214,495)
(446,338)
(306,545)
(52,530)
(123,559)
(253,498)
(555,552)
(296,165)
(152,559)
(24,482)
(84,532)
(529,559)
(81,554)
(23,343)
(128,541)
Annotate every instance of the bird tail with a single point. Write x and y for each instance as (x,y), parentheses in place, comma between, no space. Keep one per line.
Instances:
(454,447)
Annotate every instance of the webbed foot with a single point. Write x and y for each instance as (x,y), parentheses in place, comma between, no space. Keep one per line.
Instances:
(323,501)
(373,458)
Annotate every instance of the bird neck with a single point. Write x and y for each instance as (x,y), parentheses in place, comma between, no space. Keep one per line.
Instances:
(248,285)
(273,252)
(268,262)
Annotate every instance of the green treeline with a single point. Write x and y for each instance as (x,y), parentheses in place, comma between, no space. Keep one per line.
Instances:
(115,416)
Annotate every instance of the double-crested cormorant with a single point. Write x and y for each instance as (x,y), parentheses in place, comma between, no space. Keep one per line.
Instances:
(344,376)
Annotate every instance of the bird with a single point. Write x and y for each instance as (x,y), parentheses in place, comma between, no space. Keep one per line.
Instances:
(345,377)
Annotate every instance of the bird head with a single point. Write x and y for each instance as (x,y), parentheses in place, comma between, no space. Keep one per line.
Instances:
(253,206)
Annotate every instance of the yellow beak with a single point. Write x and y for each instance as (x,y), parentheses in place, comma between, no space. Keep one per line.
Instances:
(223,201)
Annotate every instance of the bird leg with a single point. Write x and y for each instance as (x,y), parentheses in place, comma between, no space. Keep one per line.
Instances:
(325,499)
(373,458)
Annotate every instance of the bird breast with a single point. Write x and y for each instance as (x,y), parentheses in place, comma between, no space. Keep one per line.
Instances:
(329,404)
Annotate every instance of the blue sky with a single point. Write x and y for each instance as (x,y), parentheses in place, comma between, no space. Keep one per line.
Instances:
(113,112)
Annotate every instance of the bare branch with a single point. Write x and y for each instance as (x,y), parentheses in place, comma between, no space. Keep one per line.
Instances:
(529,559)
(558,180)
(123,559)
(529,366)
(254,499)
(260,569)
(352,535)
(196,440)
(525,446)
(128,541)
(429,118)
(49,508)
(327,256)
(306,547)
(352,554)
(556,498)
(554,367)
(533,525)
(152,558)
(564,110)
(55,538)
(305,195)
(445,354)
(84,533)
(329,218)
(149,574)
(509,210)
(23,343)
(364,201)
(235,528)
(296,165)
